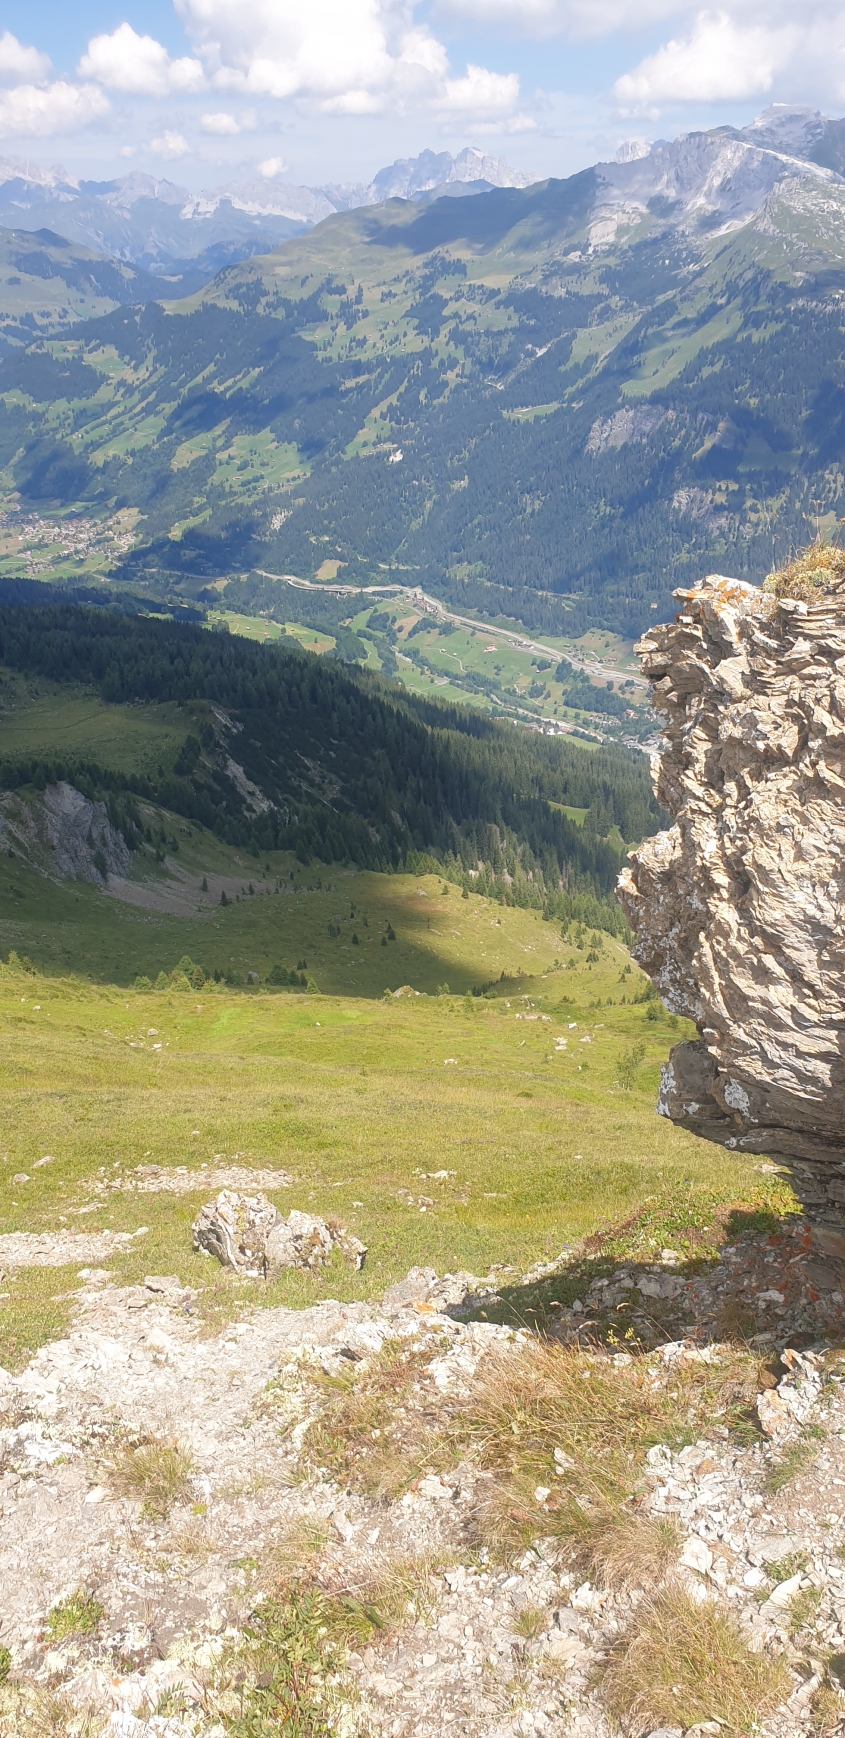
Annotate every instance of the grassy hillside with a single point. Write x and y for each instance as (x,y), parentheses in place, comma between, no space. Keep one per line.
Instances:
(471,394)
(280,750)
(48,283)
(145,925)
(543,1128)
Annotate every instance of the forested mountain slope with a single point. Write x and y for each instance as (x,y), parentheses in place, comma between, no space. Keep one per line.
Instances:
(553,402)
(48,284)
(283,750)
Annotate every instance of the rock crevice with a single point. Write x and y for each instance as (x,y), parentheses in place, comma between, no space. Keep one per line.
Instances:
(739,909)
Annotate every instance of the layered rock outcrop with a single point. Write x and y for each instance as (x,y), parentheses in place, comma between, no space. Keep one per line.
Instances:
(739,910)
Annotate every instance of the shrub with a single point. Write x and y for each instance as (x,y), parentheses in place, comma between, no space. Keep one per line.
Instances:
(78,1615)
(627,1066)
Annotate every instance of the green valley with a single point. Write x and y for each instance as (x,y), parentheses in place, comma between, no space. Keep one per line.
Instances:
(478,397)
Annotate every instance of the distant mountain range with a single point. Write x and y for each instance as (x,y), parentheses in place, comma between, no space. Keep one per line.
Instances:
(161,227)
(555,401)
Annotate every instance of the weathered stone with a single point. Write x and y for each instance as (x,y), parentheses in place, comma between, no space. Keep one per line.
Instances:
(247,1233)
(739,908)
(413,1289)
(235,1228)
(304,1241)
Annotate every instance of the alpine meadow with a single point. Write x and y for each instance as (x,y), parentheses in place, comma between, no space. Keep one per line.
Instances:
(422,1269)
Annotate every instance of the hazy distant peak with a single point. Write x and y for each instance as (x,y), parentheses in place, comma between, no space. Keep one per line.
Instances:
(409,177)
(632,150)
(53,179)
(124,193)
(261,199)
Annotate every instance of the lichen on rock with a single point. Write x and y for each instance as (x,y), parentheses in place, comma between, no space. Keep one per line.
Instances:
(739,909)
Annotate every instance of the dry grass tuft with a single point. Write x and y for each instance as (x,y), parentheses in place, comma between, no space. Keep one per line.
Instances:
(554,1418)
(818,568)
(636,1552)
(530,1621)
(156,1469)
(38,1713)
(827,1710)
(389,1594)
(294,1554)
(378,1424)
(687,1663)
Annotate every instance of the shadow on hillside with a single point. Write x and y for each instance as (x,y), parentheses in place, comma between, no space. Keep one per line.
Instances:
(763,1281)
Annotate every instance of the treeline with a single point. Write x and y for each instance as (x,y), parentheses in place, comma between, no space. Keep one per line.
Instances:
(344,767)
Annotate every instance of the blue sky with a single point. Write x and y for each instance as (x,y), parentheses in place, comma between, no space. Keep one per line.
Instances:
(330,90)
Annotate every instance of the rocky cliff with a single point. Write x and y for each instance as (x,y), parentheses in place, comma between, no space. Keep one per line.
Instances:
(63,833)
(738,910)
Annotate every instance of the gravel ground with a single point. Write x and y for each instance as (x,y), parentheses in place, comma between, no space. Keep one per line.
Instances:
(177,1591)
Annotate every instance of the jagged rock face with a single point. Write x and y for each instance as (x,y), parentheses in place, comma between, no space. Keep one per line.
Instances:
(64,833)
(739,910)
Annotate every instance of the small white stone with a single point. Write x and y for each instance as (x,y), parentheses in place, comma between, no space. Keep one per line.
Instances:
(697,1555)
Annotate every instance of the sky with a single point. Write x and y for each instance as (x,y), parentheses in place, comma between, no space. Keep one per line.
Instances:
(321,91)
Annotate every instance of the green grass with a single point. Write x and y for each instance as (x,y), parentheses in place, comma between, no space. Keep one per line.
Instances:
(42,718)
(78,1615)
(795,1459)
(361,1101)
(294,913)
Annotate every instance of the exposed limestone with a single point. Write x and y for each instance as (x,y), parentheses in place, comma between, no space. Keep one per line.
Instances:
(739,908)
(247,1233)
(63,832)
(511,1649)
(62,1248)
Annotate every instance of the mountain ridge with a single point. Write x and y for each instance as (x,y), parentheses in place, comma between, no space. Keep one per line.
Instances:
(154,224)
(548,402)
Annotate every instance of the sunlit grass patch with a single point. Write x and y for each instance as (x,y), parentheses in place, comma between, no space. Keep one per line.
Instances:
(564,1435)
(78,1615)
(810,572)
(531,1148)
(803,1608)
(38,1307)
(156,1470)
(795,1458)
(686,1663)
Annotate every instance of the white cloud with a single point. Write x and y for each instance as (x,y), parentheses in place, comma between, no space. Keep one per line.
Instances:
(226,125)
(170,145)
(38,111)
(19,62)
(719,61)
(482,92)
(138,65)
(354,57)
(551,17)
(272,166)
